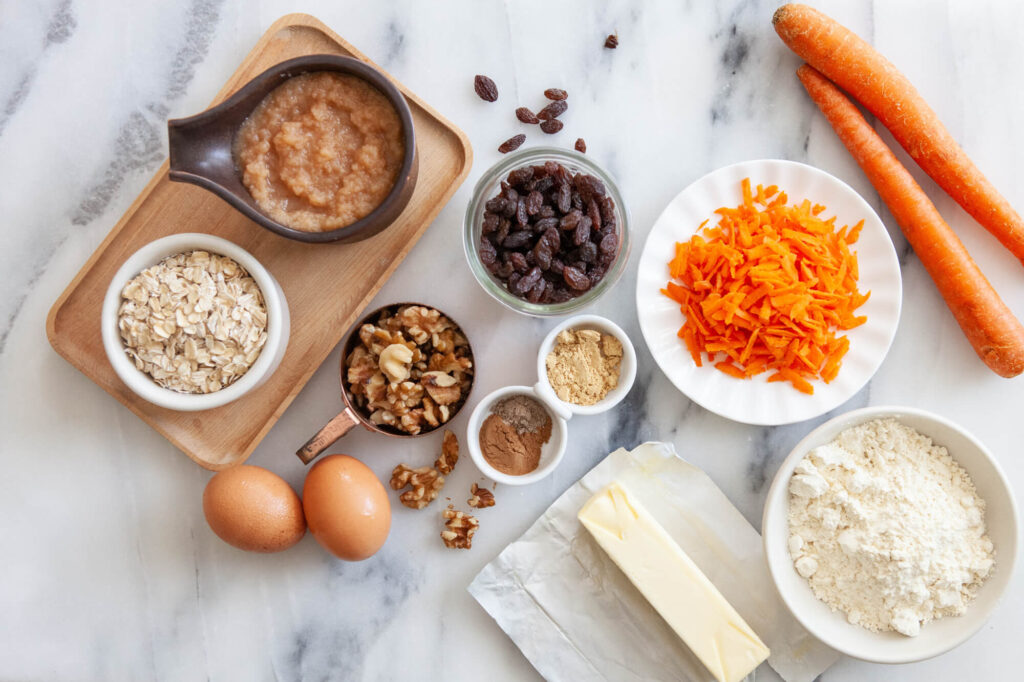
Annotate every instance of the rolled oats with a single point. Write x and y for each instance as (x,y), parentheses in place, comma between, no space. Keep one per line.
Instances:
(196,322)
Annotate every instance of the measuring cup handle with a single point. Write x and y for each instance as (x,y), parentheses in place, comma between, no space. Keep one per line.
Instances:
(325,437)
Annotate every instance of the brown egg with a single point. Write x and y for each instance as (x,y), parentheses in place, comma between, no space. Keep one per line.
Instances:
(346,507)
(253,509)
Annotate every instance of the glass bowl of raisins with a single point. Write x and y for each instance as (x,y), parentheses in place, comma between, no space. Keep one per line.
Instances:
(546,232)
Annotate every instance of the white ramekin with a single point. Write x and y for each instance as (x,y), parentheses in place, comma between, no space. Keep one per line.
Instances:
(142,384)
(627,369)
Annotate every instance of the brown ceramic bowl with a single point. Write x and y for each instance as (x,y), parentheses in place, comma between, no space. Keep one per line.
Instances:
(353,416)
(201,148)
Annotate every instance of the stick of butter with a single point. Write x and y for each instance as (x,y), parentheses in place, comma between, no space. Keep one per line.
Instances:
(673,584)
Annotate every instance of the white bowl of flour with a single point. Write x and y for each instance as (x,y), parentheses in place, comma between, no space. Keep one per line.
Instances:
(890,533)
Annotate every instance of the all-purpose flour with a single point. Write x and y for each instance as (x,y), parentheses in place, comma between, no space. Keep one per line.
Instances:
(888,528)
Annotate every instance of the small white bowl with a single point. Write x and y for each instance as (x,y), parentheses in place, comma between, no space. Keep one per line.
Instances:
(142,384)
(627,370)
(940,635)
(551,453)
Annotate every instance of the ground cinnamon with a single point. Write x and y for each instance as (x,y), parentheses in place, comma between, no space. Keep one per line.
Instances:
(511,450)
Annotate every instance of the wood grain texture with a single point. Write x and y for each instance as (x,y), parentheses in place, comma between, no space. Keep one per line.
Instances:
(327,285)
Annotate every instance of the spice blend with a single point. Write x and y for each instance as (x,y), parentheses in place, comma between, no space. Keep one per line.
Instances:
(584,365)
(512,436)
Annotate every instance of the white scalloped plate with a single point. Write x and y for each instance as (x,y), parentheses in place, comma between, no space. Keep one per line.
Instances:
(755,401)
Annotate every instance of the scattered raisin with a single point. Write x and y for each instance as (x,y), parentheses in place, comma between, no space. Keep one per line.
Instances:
(581,146)
(611,42)
(553,110)
(511,144)
(526,116)
(556,94)
(551,127)
(486,88)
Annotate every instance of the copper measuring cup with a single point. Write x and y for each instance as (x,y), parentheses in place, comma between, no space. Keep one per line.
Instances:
(351,416)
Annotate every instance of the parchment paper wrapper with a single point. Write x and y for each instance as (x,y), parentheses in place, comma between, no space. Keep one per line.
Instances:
(576,616)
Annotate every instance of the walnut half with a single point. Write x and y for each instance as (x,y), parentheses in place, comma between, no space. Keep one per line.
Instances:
(426,483)
(459,528)
(481,497)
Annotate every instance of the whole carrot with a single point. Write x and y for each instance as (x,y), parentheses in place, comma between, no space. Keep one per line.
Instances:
(995,334)
(872,80)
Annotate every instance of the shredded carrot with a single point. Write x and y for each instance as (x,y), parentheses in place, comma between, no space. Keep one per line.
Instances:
(767,288)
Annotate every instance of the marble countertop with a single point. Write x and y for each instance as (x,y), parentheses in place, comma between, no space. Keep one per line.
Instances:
(109,570)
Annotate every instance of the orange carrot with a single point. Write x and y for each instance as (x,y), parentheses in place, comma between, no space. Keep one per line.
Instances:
(856,67)
(766,287)
(996,335)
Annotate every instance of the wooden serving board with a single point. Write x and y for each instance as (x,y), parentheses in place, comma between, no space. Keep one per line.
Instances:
(327,285)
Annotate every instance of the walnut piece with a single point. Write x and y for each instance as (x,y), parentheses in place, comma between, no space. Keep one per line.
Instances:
(481,497)
(443,388)
(449,453)
(395,361)
(459,528)
(426,483)
(411,370)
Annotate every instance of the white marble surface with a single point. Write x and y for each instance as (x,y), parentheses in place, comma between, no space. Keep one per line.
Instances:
(109,570)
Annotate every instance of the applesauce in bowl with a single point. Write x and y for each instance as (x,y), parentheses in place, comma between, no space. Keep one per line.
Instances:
(321,151)
(330,157)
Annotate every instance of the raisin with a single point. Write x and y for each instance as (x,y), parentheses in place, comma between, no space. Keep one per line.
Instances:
(518,262)
(517,240)
(553,111)
(607,208)
(490,223)
(582,232)
(575,278)
(511,144)
(528,281)
(510,194)
(546,211)
(526,116)
(556,93)
(577,201)
(560,295)
(545,223)
(544,184)
(553,238)
(495,205)
(542,254)
(549,290)
(551,127)
(588,252)
(504,225)
(533,202)
(488,254)
(537,292)
(520,176)
(580,145)
(522,217)
(611,42)
(609,244)
(564,199)
(557,266)
(570,220)
(513,280)
(589,186)
(486,88)
(594,213)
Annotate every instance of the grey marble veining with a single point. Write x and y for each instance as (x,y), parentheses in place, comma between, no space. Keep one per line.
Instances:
(110,571)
